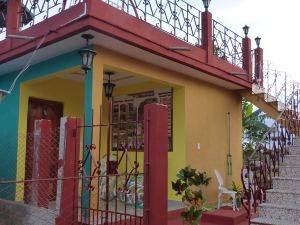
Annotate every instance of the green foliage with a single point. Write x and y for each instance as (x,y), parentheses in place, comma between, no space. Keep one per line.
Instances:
(254,127)
(237,189)
(188,186)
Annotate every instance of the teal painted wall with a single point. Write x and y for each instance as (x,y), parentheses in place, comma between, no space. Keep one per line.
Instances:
(9,110)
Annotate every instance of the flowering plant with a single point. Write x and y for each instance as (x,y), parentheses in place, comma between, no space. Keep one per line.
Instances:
(188,186)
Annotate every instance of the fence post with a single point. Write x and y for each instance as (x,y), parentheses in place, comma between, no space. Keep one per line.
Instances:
(13,16)
(41,163)
(259,59)
(207,34)
(156,164)
(67,193)
(247,61)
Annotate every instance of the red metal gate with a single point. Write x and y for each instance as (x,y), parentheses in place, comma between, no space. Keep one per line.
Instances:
(106,172)
(115,164)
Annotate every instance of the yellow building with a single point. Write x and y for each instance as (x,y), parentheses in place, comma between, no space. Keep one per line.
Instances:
(188,68)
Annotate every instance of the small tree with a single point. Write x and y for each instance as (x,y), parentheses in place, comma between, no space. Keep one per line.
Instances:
(254,127)
(188,186)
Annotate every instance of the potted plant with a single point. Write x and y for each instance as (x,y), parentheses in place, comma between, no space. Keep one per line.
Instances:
(188,185)
(238,190)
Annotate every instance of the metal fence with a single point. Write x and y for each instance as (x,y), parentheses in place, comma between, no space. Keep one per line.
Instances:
(36,11)
(177,18)
(227,44)
(3,10)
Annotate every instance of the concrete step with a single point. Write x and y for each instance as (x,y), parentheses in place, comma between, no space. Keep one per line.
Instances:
(284,212)
(286,183)
(291,160)
(288,197)
(294,150)
(289,171)
(264,221)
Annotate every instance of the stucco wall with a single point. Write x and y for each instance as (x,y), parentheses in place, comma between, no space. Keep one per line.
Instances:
(201,116)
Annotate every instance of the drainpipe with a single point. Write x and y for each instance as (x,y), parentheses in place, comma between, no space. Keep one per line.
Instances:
(229,156)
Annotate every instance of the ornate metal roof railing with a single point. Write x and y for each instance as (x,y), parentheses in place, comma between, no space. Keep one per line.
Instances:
(227,44)
(35,11)
(175,17)
(3,10)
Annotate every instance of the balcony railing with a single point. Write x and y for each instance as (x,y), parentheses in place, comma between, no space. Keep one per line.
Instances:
(227,44)
(175,17)
(35,11)
(3,11)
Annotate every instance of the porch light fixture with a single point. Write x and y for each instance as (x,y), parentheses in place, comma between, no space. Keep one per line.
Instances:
(108,87)
(3,94)
(206,4)
(246,30)
(87,55)
(257,41)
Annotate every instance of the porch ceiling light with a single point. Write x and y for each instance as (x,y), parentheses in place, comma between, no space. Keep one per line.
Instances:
(3,94)
(108,87)
(206,4)
(257,41)
(246,30)
(87,55)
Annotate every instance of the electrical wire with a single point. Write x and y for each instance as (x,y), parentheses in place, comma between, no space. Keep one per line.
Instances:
(28,64)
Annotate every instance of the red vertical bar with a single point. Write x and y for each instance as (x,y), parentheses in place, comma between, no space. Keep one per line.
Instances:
(247,62)
(259,58)
(69,197)
(156,164)
(13,16)
(207,34)
(41,165)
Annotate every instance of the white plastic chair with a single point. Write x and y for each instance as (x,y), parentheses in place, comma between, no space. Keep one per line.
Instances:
(224,190)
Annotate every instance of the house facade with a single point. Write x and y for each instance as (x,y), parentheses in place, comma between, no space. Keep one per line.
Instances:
(169,53)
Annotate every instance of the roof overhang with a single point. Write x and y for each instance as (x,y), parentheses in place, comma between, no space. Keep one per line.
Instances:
(63,34)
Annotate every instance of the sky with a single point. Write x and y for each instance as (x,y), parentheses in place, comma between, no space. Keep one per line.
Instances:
(276,23)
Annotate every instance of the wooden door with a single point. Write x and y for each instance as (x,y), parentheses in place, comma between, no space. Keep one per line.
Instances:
(42,109)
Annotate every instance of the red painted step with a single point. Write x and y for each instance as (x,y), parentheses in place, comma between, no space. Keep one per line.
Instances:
(223,216)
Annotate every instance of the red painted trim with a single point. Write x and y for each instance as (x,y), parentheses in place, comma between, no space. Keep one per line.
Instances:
(207,33)
(247,61)
(13,16)
(128,29)
(69,196)
(42,150)
(156,164)
(259,63)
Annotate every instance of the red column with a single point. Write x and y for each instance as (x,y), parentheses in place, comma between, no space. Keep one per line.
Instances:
(68,213)
(41,162)
(247,62)
(156,164)
(13,16)
(259,63)
(207,41)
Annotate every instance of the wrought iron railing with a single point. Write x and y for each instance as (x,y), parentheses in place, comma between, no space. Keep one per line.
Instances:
(227,44)
(175,17)
(3,9)
(36,11)
(277,84)
(264,163)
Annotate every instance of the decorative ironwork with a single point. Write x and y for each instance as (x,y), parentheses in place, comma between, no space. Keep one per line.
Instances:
(227,44)
(175,17)
(264,163)
(3,10)
(39,10)
(112,176)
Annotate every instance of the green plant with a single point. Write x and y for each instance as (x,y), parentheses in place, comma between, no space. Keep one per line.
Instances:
(238,190)
(188,186)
